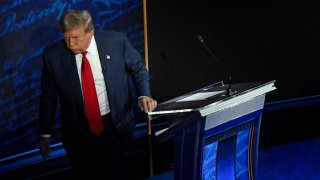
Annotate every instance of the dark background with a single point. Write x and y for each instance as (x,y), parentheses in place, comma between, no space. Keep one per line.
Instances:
(263,40)
(254,41)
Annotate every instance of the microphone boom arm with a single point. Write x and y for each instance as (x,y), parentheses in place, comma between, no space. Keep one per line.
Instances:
(229,90)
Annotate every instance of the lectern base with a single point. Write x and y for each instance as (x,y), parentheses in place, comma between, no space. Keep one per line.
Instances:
(219,139)
(226,154)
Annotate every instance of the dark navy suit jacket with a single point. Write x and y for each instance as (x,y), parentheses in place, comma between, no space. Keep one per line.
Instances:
(60,79)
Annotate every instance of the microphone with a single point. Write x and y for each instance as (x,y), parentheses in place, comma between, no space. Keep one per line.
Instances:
(229,91)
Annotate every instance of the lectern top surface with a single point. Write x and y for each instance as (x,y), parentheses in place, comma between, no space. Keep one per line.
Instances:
(187,103)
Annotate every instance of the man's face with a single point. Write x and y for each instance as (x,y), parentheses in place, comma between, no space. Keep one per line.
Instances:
(77,40)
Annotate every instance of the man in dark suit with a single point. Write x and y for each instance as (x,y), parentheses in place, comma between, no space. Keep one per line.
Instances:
(94,148)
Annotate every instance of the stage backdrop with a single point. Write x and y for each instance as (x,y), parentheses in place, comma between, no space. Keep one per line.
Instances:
(26,28)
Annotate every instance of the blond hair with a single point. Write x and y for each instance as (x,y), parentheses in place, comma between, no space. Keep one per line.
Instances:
(75,18)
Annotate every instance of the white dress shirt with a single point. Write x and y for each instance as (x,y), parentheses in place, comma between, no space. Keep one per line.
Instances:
(93,58)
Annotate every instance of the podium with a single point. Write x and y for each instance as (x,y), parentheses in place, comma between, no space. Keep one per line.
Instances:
(216,135)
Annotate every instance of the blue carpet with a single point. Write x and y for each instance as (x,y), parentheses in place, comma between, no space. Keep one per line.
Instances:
(165,176)
(294,161)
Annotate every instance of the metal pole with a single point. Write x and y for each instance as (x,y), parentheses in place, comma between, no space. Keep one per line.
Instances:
(146,57)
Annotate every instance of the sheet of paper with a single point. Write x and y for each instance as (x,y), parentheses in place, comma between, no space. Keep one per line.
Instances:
(200,96)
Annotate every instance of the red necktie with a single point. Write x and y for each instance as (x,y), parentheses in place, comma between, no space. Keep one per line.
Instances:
(90,97)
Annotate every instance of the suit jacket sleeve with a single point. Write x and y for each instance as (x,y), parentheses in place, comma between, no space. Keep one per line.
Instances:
(135,65)
(48,98)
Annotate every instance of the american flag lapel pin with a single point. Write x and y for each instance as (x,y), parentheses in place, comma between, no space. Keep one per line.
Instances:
(108,56)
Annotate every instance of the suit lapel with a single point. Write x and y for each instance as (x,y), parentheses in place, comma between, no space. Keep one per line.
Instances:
(105,60)
(70,67)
